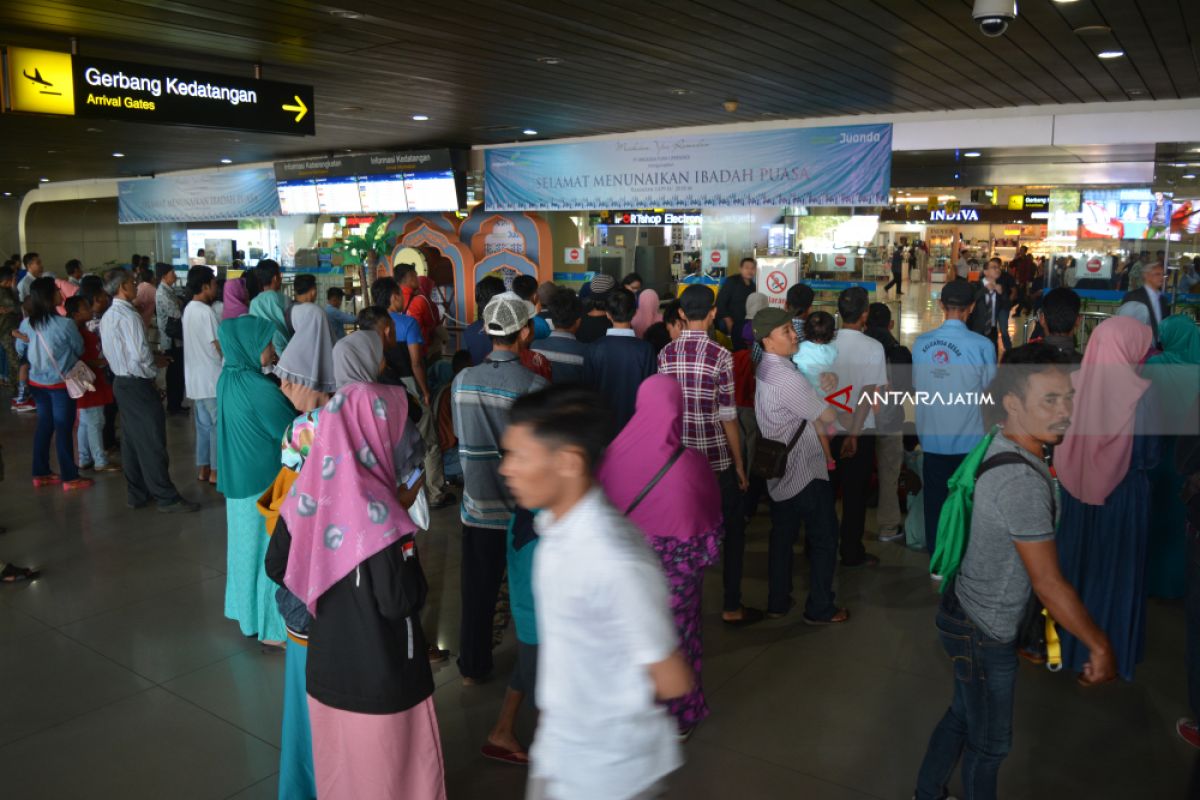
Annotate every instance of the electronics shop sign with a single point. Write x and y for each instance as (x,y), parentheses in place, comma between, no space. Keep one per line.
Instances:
(44,82)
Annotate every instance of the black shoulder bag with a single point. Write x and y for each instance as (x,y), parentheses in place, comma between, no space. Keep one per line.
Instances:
(654,481)
(770,456)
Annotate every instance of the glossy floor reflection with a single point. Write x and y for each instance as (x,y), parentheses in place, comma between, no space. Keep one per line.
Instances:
(120,677)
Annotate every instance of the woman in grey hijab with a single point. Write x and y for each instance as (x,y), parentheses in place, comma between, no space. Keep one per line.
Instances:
(306,367)
(358,358)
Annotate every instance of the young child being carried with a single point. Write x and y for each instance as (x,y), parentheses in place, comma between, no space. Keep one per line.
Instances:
(816,355)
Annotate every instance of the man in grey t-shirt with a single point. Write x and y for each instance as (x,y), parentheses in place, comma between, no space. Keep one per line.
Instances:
(1010,550)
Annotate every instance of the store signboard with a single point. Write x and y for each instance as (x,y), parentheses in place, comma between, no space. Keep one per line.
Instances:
(200,197)
(831,166)
(47,82)
(656,217)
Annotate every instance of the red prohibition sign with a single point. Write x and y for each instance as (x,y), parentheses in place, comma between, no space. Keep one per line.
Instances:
(776,282)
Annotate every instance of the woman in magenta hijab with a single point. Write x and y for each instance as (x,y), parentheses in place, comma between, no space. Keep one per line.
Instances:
(235,300)
(680,514)
(1104,464)
(647,312)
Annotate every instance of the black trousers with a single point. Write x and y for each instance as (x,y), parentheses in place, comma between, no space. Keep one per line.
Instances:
(733,508)
(144,442)
(175,379)
(483,562)
(853,474)
(895,281)
(110,424)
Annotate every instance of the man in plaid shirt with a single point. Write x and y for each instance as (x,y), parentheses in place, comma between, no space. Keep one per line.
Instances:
(705,371)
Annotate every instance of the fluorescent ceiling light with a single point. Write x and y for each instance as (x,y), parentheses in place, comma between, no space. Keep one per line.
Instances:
(1110,54)
(43,180)
(420,118)
(118,155)
(226,160)
(529,132)
(1188,177)
(972,154)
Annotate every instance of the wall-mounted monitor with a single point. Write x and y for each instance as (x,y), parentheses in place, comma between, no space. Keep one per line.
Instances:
(425,180)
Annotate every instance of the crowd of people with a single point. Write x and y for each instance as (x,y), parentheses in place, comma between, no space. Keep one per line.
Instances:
(611,449)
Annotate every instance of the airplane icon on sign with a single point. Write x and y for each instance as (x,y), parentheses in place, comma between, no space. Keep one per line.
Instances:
(36,77)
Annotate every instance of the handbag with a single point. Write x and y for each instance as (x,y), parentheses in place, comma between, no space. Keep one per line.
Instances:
(654,481)
(770,456)
(79,379)
(174,328)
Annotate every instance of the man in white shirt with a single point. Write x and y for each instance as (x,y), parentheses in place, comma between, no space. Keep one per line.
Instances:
(608,647)
(144,438)
(33,270)
(202,366)
(860,364)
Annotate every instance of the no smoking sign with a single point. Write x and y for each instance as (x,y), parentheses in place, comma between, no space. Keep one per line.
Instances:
(777,282)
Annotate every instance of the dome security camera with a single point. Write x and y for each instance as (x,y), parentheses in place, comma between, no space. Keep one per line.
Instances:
(994,16)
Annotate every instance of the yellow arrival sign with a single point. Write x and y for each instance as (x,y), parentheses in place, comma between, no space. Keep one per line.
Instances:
(40,81)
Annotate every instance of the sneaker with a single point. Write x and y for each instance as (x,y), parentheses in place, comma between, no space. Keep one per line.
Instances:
(78,483)
(46,480)
(180,506)
(935,577)
(24,406)
(1189,731)
(891,535)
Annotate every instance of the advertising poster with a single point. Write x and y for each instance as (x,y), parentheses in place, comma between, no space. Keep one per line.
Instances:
(834,166)
(227,194)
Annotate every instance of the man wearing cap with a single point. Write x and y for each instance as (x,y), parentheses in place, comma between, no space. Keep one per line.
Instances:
(596,322)
(948,362)
(784,401)
(480,399)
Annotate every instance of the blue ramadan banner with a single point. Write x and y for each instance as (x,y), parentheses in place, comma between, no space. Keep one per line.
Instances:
(847,165)
(202,197)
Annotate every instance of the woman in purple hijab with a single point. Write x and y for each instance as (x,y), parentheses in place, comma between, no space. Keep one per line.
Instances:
(236,303)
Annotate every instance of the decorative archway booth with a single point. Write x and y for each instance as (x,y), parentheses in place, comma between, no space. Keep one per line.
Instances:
(507,243)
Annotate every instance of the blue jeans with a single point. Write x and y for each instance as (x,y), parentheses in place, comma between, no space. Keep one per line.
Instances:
(56,419)
(814,506)
(91,437)
(977,728)
(1193,620)
(205,412)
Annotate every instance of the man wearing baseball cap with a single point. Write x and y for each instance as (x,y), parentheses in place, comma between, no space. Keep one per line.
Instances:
(947,361)
(783,401)
(480,398)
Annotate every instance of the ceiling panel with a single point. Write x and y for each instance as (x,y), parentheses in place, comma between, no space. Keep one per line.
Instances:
(624,65)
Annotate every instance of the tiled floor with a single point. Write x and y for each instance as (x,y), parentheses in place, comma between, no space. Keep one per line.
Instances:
(120,678)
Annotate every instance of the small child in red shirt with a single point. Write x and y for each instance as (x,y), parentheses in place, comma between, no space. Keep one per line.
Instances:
(90,434)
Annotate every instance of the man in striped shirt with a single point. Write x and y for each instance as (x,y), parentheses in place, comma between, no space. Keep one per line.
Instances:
(783,401)
(480,399)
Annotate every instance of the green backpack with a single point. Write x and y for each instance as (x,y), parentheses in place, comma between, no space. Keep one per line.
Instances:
(954,521)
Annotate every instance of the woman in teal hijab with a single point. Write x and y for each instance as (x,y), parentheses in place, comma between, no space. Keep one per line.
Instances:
(269,306)
(1176,378)
(252,415)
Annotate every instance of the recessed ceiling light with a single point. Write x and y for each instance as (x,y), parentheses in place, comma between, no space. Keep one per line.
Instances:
(1134,92)
(94,130)
(1064,2)
(972,154)
(8,194)
(420,118)
(1189,177)
(342,13)
(529,132)
(680,92)
(226,160)
(22,166)
(118,155)
(43,180)
(549,60)
(1092,30)
(350,109)
(1110,54)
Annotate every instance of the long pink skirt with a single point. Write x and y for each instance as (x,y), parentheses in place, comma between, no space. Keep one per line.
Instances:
(377,756)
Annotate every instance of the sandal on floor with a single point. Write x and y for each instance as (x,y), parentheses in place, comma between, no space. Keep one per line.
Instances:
(14,574)
(749,617)
(840,616)
(520,759)
(204,475)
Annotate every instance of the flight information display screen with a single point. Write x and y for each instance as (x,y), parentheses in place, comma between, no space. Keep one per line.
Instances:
(398,182)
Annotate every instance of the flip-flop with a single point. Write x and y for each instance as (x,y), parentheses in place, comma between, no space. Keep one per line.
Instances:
(831,621)
(749,617)
(14,574)
(495,753)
